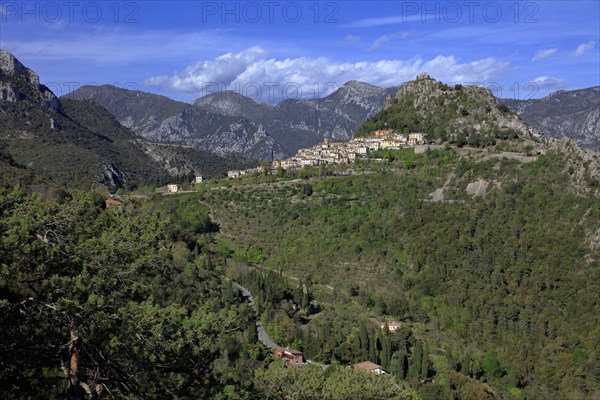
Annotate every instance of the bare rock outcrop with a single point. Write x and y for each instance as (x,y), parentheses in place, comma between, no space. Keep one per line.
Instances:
(19,83)
(477,188)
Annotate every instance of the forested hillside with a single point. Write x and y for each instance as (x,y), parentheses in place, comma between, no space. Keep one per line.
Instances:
(488,284)
(98,303)
(129,301)
(484,256)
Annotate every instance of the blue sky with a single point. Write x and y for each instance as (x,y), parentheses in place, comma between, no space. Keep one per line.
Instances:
(272,50)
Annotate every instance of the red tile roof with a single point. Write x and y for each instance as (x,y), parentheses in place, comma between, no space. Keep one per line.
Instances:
(111,202)
(367,366)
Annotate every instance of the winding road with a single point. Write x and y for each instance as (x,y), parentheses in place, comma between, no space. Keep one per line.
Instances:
(263,336)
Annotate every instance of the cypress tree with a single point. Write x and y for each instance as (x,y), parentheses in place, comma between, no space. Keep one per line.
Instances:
(398,365)
(363,335)
(425,362)
(386,350)
(378,348)
(305,300)
(372,349)
(402,359)
(416,360)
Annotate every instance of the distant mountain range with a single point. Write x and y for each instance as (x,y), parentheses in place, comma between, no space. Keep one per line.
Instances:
(573,114)
(77,143)
(229,123)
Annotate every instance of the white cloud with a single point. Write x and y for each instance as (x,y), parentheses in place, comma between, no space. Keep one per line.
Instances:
(546,82)
(305,77)
(352,38)
(388,38)
(225,68)
(541,54)
(582,48)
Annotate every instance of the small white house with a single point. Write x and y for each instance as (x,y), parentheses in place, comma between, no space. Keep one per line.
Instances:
(198,179)
(172,188)
(362,151)
(392,325)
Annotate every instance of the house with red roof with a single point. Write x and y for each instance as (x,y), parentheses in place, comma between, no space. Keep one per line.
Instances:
(368,366)
(290,356)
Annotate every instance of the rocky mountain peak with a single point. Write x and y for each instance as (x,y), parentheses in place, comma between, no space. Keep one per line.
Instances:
(224,96)
(231,103)
(20,84)
(9,64)
(468,114)
(357,88)
(354,84)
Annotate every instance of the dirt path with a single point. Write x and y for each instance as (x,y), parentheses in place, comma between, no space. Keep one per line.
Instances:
(510,155)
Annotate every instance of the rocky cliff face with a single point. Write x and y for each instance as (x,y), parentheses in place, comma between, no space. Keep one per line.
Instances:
(161,119)
(233,104)
(573,114)
(358,100)
(20,84)
(220,134)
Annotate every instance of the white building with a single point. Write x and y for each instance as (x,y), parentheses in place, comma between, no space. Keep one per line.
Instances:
(393,326)
(415,138)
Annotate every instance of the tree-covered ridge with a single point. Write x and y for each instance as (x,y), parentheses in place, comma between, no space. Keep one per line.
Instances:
(102,303)
(459,114)
(89,146)
(494,285)
(335,383)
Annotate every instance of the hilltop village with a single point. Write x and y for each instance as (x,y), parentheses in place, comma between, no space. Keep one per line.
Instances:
(339,152)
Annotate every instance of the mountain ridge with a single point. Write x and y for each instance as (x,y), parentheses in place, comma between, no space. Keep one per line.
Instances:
(572,114)
(78,142)
(280,129)
(161,119)
(230,123)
